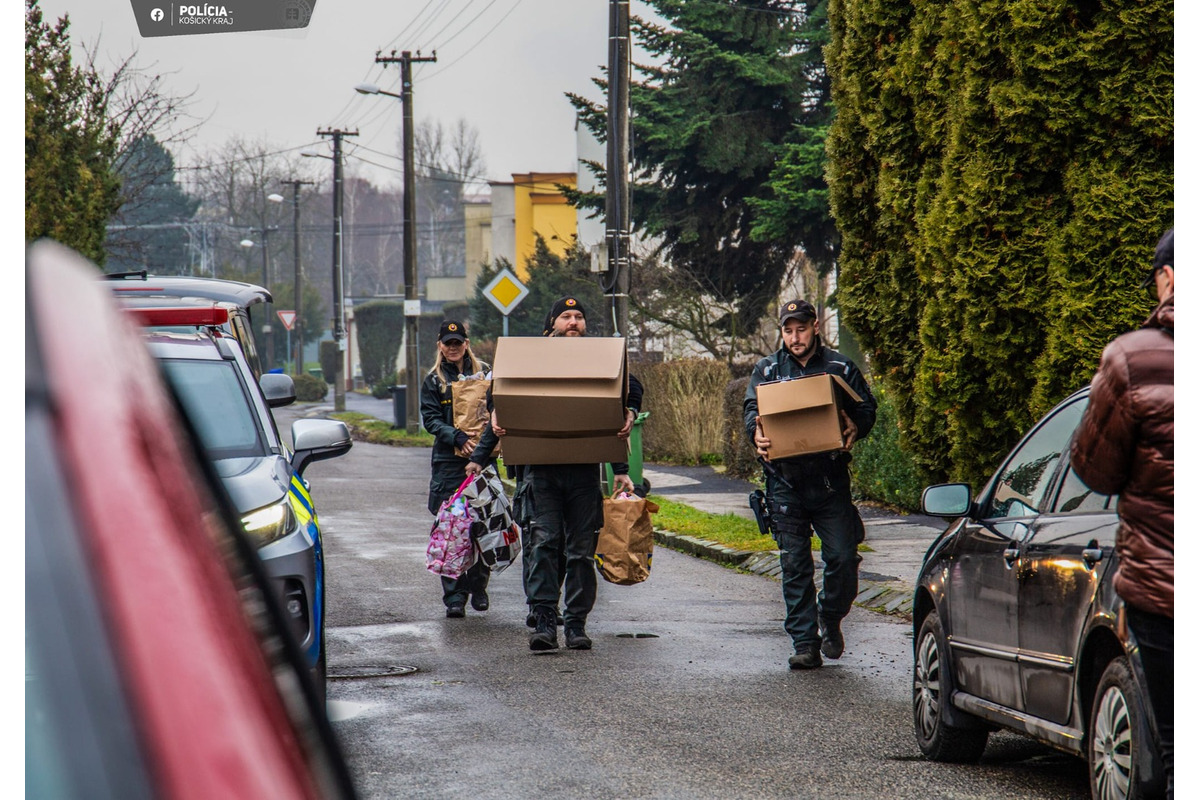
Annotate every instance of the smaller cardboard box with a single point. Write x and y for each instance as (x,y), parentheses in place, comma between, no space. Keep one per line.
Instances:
(801,415)
(560,400)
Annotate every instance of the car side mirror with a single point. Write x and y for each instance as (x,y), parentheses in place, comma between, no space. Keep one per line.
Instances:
(278,389)
(947,500)
(317,440)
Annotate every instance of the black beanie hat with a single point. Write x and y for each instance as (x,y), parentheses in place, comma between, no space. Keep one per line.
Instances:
(567,303)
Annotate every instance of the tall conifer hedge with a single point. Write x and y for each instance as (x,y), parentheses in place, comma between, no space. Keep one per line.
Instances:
(1000,171)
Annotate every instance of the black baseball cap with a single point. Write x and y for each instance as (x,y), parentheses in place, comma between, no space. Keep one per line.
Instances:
(797,309)
(1164,256)
(452,331)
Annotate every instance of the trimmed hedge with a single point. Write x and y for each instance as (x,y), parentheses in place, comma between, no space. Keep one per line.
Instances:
(310,388)
(380,325)
(1000,171)
(883,468)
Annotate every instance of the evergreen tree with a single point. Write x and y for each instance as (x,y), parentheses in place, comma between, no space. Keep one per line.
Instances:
(148,230)
(1000,172)
(71,188)
(739,85)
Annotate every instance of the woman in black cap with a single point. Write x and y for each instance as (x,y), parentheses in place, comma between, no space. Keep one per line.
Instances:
(454,360)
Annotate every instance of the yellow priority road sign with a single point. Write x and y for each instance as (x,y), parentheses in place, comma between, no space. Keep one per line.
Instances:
(505,291)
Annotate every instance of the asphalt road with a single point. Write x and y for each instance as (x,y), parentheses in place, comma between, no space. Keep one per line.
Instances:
(687,693)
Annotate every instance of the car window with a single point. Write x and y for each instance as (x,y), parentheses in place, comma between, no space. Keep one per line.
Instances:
(216,402)
(1024,479)
(240,328)
(1076,498)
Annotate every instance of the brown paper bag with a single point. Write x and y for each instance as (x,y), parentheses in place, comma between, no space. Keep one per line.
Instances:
(470,410)
(626,543)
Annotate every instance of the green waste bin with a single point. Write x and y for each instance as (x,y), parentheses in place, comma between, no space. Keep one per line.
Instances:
(635,456)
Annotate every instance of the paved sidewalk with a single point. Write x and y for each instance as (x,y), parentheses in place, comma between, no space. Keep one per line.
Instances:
(887,573)
(886,576)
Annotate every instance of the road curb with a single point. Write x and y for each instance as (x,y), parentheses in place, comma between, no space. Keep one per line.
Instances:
(893,598)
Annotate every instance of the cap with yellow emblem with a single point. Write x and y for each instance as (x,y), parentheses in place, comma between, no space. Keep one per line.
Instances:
(801,310)
(452,331)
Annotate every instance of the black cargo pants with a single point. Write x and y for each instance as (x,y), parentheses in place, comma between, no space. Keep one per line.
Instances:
(567,514)
(820,502)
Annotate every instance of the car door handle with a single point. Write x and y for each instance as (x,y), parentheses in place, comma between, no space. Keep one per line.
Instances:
(1091,555)
(1011,554)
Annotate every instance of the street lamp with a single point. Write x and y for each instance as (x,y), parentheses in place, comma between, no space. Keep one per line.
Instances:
(370,88)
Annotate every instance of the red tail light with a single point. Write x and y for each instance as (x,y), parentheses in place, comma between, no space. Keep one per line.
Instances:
(150,317)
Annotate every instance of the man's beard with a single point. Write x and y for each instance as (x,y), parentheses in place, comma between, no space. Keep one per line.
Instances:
(808,351)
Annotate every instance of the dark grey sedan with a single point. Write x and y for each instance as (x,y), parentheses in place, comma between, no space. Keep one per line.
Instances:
(1016,624)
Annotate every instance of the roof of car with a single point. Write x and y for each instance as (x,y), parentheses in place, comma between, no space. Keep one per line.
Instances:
(138,284)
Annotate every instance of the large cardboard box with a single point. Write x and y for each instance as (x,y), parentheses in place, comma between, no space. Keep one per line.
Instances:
(560,400)
(800,415)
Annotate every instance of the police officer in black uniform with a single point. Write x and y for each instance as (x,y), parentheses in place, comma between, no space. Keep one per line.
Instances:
(567,514)
(813,491)
(454,359)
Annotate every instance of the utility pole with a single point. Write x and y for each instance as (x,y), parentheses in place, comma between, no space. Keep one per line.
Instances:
(339,302)
(616,201)
(268,329)
(412,305)
(297,276)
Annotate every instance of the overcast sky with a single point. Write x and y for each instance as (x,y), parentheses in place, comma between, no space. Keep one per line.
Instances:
(502,64)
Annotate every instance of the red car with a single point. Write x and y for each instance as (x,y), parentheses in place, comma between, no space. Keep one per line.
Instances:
(155,662)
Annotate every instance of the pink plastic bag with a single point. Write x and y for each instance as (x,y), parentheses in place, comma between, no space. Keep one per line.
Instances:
(451,551)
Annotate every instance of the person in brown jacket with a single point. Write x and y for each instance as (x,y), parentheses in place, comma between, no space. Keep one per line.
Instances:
(1125,445)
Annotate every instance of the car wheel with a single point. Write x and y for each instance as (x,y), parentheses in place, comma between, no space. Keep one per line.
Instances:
(938,739)
(1115,734)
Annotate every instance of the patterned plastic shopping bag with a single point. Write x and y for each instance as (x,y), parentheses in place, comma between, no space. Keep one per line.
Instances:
(496,535)
(451,551)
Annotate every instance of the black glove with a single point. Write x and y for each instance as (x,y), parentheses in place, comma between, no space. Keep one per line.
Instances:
(460,439)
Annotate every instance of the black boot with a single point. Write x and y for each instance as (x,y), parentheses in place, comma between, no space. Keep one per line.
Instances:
(531,619)
(576,638)
(545,637)
(832,643)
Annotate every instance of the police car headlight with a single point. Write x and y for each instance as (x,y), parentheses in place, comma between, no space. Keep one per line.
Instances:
(270,524)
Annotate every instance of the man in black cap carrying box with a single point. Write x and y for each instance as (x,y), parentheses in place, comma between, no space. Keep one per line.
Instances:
(812,491)
(568,512)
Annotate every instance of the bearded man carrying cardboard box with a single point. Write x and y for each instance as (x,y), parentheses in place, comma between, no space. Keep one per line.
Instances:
(563,405)
(805,407)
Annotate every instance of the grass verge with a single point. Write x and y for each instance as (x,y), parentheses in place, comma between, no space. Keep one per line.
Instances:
(365,428)
(725,529)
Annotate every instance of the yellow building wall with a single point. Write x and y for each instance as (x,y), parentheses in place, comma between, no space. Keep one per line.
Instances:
(541,209)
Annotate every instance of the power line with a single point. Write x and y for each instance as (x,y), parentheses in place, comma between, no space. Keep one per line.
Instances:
(404,30)
(452,19)
(474,19)
(254,157)
(477,43)
(463,177)
(425,26)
